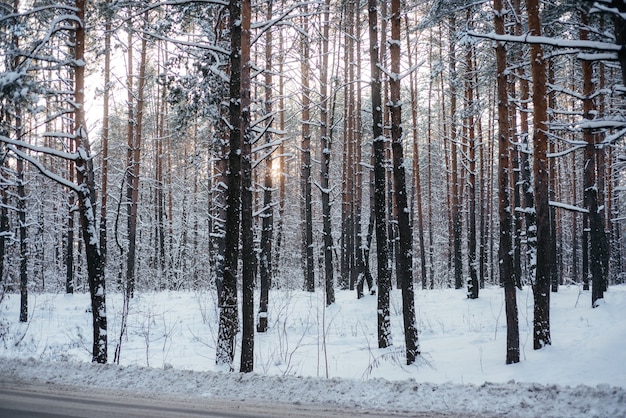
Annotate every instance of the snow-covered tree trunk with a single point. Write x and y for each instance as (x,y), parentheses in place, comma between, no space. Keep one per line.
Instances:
(325,153)
(87,198)
(267,214)
(472,280)
(405,230)
(382,244)
(228,320)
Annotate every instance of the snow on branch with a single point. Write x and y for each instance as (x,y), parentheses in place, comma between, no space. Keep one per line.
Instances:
(43,170)
(568,207)
(36,10)
(265,26)
(43,150)
(150,7)
(544,40)
(601,124)
(397,77)
(566,151)
(610,139)
(597,7)
(199,45)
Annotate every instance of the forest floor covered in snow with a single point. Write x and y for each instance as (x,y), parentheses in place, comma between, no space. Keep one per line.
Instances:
(318,354)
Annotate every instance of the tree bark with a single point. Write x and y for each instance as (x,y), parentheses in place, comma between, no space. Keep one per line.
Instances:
(247,232)
(472,284)
(405,255)
(325,155)
(382,244)
(105,132)
(87,199)
(417,180)
(541,288)
(598,246)
(135,134)
(267,215)
(505,258)
(305,174)
(454,175)
(228,320)
(23,236)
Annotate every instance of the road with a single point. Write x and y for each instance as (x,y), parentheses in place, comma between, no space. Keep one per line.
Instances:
(46,401)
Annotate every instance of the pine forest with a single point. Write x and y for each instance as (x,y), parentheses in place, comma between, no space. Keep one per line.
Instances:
(243,148)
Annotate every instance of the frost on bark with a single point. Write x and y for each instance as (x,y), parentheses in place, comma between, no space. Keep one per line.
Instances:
(405,230)
(325,154)
(228,318)
(87,198)
(267,215)
(382,244)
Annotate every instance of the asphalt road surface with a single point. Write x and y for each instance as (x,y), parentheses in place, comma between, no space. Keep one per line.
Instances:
(47,401)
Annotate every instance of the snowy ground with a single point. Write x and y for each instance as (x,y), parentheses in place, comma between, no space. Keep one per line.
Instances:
(330,355)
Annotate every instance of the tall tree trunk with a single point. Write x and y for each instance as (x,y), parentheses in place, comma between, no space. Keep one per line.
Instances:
(132,173)
(265,267)
(472,284)
(405,231)
(448,165)
(598,246)
(4,222)
(454,174)
(87,198)
(541,288)
(105,133)
(347,204)
(552,175)
(160,183)
(219,190)
(505,258)
(431,247)
(365,239)
(575,236)
(305,175)
(281,150)
(21,193)
(514,174)
(382,244)
(247,226)
(69,245)
(360,265)
(417,181)
(325,153)
(525,169)
(21,210)
(228,320)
